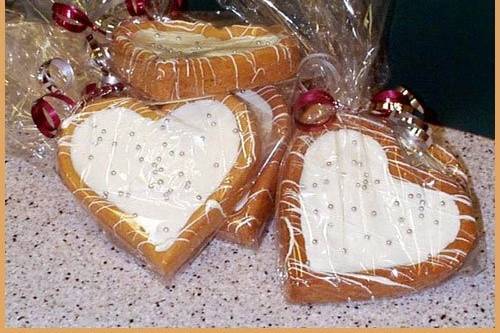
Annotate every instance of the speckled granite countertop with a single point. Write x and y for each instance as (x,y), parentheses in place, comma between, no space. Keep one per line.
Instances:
(63,271)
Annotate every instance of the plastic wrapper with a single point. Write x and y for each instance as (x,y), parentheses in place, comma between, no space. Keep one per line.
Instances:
(368,205)
(163,175)
(160,179)
(31,42)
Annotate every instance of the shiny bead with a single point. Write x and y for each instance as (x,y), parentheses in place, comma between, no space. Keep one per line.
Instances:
(364,187)
(171,153)
(181,153)
(170,190)
(103,131)
(209,115)
(367,236)
(178,38)
(377,181)
(141,159)
(134,215)
(354,142)
(216,165)
(388,242)
(358,184)
(409,231)
(157,35)
(151,186)
(354,162)
(328,163)
(315,241)
(421,208)
(422,202)
(365,181)
(365,174)
(160,181)
(410,196)
(114,143)
(99,139)
(165,229)
(187,185)
(436,222)
(421,215)
(330,206)
(198,197)
(132,133)
(316,211)
(158,159)
(120,193)
(315,185)
(374,213)
(154,164)
(396,203)
(164,144)
(138,147)
(113,172)
(235,130)
(213,123)
(91,157)
(354,208)
(160,169)
(443,203)
(419,195)
(181,174)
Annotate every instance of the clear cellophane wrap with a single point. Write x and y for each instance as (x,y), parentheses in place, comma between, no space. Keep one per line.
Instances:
(163,176)
(31,41)
(368,206)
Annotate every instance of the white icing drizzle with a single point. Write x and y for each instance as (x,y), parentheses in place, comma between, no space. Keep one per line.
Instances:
(156,172)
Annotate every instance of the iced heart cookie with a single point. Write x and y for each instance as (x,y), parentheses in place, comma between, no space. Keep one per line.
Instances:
(177,59)
(161,181)
(246,224)
(355,221)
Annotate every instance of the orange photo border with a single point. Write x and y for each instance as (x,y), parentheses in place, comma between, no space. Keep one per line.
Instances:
(55,330)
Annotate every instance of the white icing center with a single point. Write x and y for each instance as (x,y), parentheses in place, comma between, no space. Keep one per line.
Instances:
(172,44)
(356,216)
(160,171)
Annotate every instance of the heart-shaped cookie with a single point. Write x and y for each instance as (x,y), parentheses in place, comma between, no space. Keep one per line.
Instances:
(356,221)
(245,225)
(178,59)
(160,180)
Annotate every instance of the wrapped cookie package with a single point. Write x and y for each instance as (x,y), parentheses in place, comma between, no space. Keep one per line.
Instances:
(367,205)
(182,138)
(171,132)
